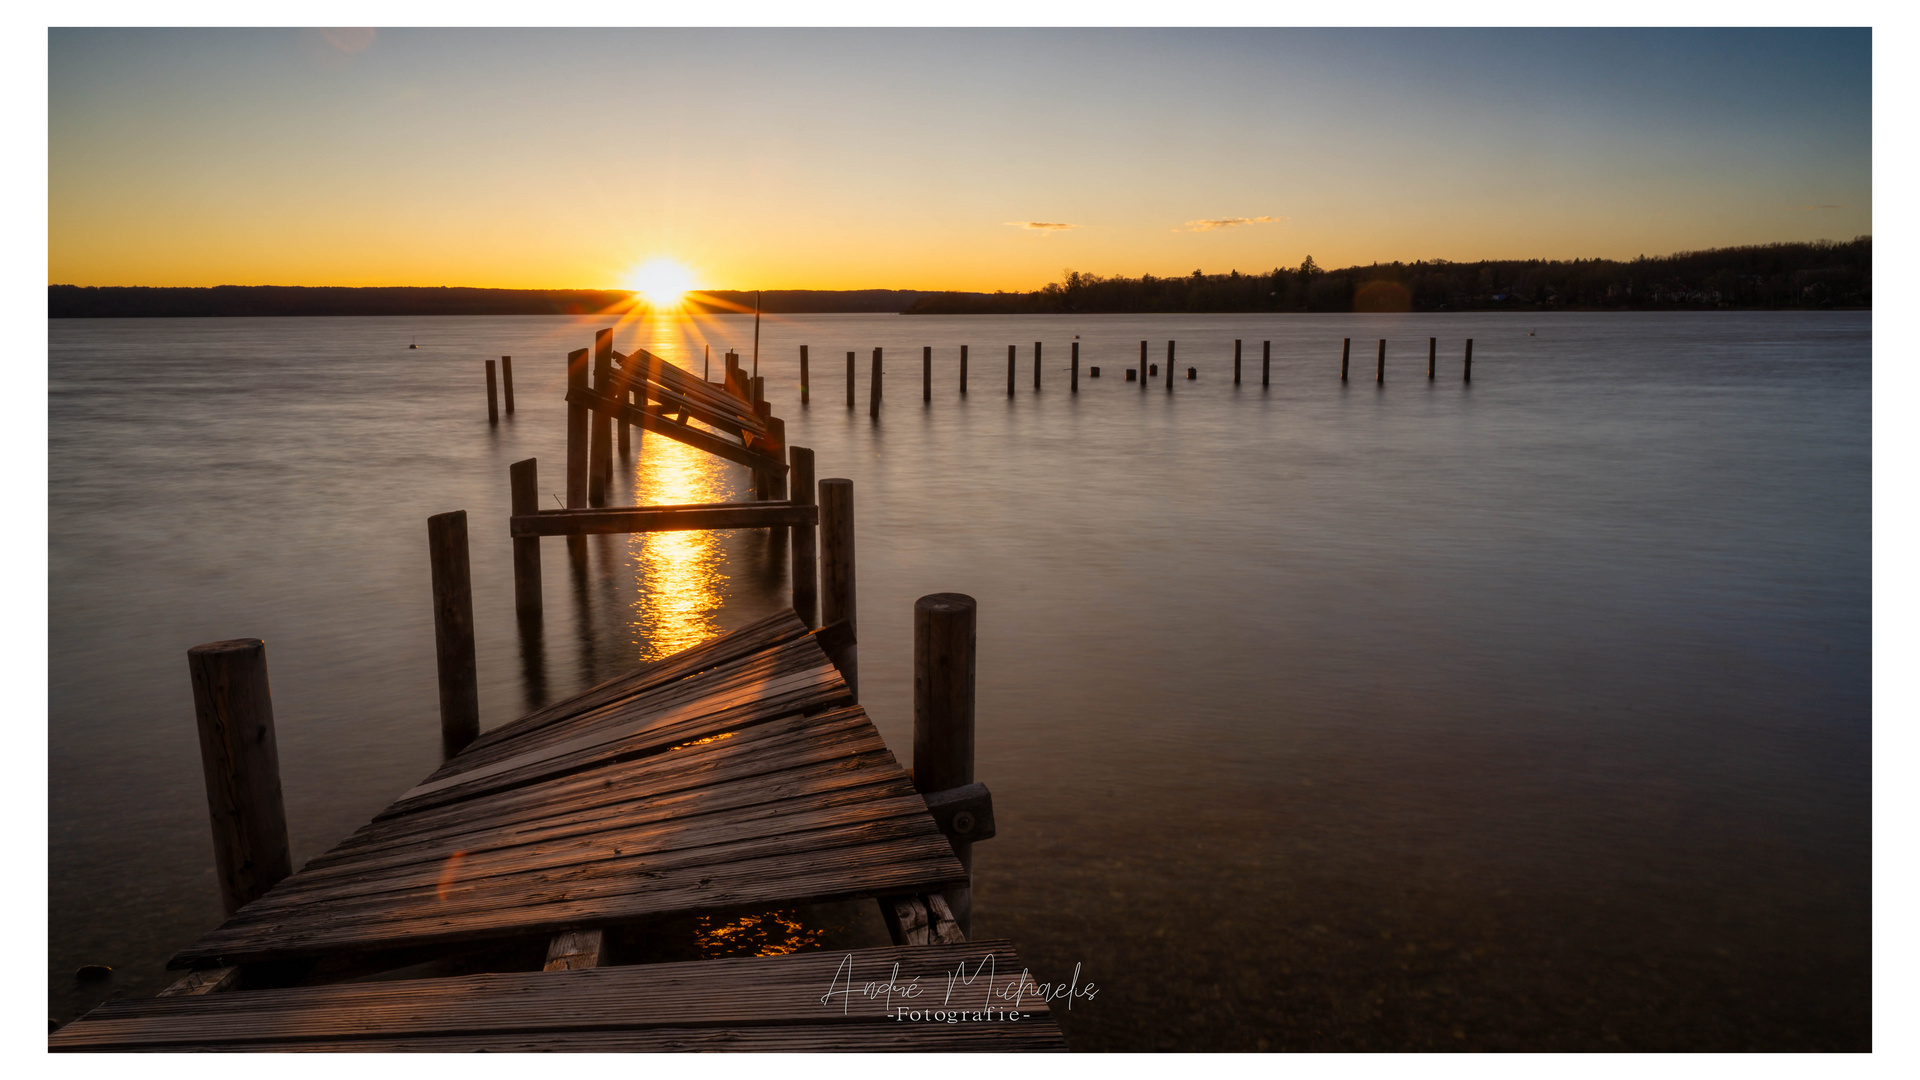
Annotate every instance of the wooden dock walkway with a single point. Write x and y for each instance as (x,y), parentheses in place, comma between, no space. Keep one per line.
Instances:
(736,775)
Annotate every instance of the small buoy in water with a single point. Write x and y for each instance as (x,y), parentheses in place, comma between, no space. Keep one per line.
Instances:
(1192,374)
(413,346)
(93,972)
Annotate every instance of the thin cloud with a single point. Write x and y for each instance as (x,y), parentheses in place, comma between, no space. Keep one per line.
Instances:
(1043,226)
(1826,206)
(1210,224)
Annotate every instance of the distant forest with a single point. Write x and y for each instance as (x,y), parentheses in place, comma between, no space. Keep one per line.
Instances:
(1817,275)
(1823,274)
(122,302)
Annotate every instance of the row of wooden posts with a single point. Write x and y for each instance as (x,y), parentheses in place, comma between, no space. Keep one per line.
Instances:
(1141,374)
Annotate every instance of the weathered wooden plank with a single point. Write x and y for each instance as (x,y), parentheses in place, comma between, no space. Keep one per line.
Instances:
(752,638)
(840,741)
(655,418)
(1025,1036)
(802,990)
(640,519)
(714,395)
(207,981)
(868,867)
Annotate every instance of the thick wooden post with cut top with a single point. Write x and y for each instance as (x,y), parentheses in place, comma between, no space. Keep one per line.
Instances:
(1380,372)
(1466,373)
(234,709)
(524,477)
(506,380)
(1266,361)
(943,652)
(1433,347)
(837,604)
(1236,361)
(1036,365)
(1012,351)
(803,375)
(963,369)
(1073,384)
(1169,365)
(1346,346)
(873,389)
(493,397)
(576,446)
(850,367)
(806,558)
(453,630)
(600,455)
(926,374)
(1143,365)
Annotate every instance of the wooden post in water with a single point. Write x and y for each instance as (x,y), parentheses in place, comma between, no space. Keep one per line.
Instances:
(943,670)
(926,374)
(1143,365)
(850,367)
(1380,370)
(1074,385)
(963,369)
(493,397)
(806,557)
(1346,344)
(1010,368)
(1466,373)
(836,578)
(506,380)
(803,374)
(1236,361)
(1169,365)
(453,630)
(577,447)
(1433,344)
(600,453)
(1266,361)
(524,477)
(623,440)
(873,389)
(241,761)
(1036,365)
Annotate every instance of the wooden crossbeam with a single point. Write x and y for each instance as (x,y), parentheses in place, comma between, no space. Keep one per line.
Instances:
(640,519)
(652,419)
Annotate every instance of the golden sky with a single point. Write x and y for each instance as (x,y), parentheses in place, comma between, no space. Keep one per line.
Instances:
(925,159)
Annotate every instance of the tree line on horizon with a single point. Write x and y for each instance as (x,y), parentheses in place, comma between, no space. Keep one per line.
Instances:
(132,301)
(1820,274)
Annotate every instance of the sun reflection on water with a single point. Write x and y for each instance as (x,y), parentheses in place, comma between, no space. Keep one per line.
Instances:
(682,579)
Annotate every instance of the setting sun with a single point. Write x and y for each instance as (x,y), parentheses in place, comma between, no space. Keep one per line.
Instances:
(662,282)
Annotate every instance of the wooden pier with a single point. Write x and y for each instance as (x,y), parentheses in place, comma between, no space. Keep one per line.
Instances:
(738,776)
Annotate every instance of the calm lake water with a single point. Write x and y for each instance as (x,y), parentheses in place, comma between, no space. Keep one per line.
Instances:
(1527,714)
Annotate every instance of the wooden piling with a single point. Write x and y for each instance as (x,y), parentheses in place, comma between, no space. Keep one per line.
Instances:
(453,630)
(1236,361)
(1266,361)
(943,708)
(493,397)
(234,710)
(576,446)
(1169,365)
(873,389)
(837,603)
(1143,365)
(1074,385)
(1346,345)
(803,374)
(850,367)
(600,452)
(524,476)
(963,369)
(1192,374)
(806,558)
(1036,365)
(506,381)
(1380,369)
(1433,344)
(1011,350)
(1466,373)
(926,374)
